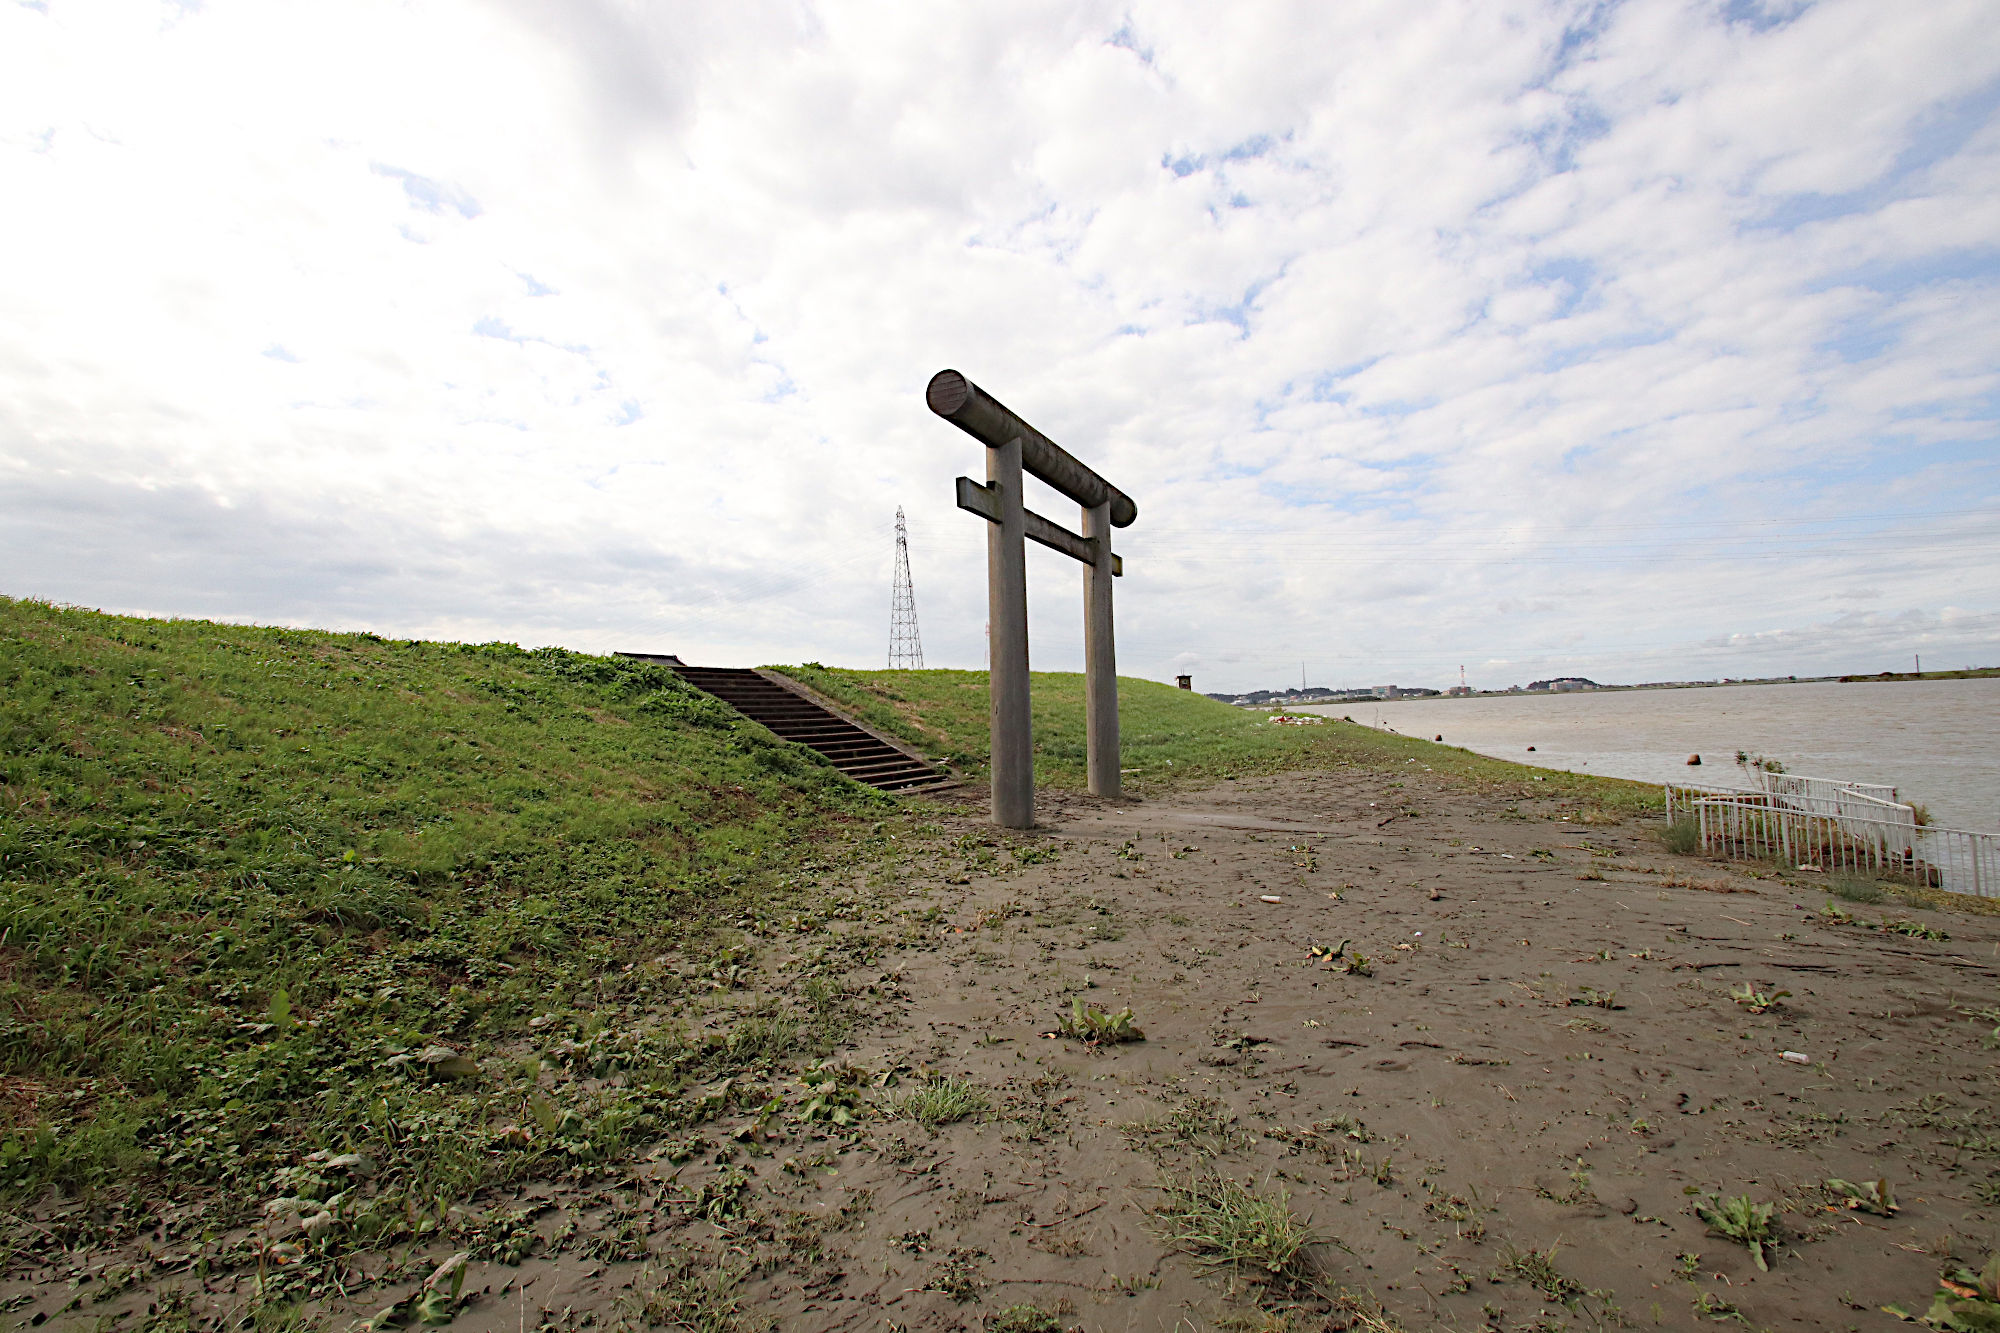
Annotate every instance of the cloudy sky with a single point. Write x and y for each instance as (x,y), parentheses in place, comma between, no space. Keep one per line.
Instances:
(1644,340)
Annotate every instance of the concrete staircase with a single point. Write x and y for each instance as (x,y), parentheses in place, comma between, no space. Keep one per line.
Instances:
(854,750)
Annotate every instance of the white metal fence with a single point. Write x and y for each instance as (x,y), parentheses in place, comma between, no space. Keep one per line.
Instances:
(1837,826)
(1825,796)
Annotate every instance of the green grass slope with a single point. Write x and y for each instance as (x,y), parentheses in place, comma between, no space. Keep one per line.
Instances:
(1169,738)
(268,893)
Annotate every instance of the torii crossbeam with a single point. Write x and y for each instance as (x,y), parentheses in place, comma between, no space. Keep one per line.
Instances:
(1012,445)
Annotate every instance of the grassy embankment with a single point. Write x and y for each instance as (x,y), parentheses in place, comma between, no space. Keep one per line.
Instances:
(1173,738)
(267,893)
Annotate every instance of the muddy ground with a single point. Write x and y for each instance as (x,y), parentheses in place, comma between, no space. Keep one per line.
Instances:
(1505,1119)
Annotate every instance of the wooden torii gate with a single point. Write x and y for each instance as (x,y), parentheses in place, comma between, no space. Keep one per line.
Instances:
(1012,445)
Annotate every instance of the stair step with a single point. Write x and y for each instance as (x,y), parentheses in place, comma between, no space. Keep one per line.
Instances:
(863,771)
(854,750)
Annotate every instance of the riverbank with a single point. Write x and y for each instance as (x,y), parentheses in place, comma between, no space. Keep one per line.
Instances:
(360,980)
(1296,698)
(1936,741)
(1480,1056)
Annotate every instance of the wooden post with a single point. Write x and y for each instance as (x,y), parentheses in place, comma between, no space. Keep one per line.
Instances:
(1100,660)
(1013,750)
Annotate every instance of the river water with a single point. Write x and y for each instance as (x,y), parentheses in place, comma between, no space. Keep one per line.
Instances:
(1936,741)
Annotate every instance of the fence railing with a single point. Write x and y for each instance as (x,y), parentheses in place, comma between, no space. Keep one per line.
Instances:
(1823,824)
(1826,796)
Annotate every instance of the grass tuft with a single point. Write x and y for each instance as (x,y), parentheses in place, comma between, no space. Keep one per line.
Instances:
(1223,1223)
(687,1291)
(1023,1318)
(942,1101)
(1853,888)
(1682,837)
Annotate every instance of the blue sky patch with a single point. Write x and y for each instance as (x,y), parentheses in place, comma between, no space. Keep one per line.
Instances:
(431,196)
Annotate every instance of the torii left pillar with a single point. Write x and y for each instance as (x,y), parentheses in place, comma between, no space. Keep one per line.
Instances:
(1012,731)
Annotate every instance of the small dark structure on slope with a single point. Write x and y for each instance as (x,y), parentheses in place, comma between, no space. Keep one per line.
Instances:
(794,714)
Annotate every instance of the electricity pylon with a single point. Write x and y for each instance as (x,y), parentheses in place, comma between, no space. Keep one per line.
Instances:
(906,648)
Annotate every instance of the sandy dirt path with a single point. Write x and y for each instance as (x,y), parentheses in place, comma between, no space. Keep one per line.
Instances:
(1504,1123)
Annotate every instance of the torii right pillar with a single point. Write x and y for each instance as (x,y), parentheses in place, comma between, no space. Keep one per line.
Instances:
(1100,658)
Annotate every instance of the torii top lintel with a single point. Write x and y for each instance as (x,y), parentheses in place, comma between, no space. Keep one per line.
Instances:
(988,420)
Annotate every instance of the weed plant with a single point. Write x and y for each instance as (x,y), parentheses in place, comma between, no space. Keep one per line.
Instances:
(1713,1309)
(1740,1220)
(278,904)
(1868,1196)
(1965,1300)
(957,1274)
(1538,1270)
(1756,1001)
(831,1096)
(1201,1123)
(1098,1027)
(1853,888)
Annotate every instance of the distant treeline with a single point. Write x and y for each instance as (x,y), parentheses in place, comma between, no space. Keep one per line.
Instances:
(1970,673)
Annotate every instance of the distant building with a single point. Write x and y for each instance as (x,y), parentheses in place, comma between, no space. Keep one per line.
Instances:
(1458,691)
(1566,685)
(1185,682)
(1320,694)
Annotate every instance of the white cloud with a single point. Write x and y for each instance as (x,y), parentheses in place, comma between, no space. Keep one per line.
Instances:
(1545,336)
